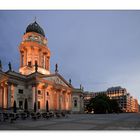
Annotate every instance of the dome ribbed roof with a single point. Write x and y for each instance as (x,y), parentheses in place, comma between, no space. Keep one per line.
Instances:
(34,27)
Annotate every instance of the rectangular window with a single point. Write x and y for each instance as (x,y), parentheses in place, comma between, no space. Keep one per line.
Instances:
(20,91)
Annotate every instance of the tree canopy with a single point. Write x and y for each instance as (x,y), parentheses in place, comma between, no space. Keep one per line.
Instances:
(103,104)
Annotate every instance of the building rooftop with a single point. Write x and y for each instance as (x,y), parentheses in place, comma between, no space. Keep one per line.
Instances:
(34,27)
(115,88)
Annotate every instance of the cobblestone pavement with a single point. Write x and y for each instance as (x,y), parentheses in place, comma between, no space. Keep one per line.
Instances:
(125,121)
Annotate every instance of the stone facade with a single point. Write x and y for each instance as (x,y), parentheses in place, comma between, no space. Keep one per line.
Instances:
(77,101)
(34,82)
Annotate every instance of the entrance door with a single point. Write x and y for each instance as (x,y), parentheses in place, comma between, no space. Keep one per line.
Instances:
(47,106)
(38,104)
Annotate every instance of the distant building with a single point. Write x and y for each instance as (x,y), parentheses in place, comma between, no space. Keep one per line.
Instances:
(125,101)
(120,94)
(136,105)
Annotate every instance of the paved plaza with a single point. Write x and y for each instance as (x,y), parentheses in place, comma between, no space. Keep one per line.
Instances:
(125,121)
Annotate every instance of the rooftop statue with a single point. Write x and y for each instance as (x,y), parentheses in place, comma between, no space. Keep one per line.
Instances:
(0,66)
(56,68)
(10,67)
(70,81)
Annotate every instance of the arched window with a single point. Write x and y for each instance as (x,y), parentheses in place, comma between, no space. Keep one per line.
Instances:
(75,102)
(47,93)
(39,92)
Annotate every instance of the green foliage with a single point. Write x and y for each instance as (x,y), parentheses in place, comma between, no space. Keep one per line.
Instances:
(103,104)
(114,106)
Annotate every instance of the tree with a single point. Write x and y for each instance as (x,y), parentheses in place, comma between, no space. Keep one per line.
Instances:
(114,106)
(100,106)
(26,105)
(14,107)
(103,104)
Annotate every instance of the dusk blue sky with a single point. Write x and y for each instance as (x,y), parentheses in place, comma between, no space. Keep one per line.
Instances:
(98,49)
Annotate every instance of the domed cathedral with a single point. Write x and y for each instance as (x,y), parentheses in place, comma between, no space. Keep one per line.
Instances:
(34,49)
(34,83)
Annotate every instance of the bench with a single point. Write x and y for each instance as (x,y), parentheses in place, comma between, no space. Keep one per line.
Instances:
(38,115)
(51,114)
(63,114)
(13,117)
(45,115)
(23,116)
(33,116)
(5,117)
(57,115)
(0,117)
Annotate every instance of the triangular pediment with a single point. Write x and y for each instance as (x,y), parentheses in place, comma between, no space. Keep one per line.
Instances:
(57,79)
(2,75)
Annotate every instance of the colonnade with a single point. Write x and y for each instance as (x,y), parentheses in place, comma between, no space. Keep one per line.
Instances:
(6,95)
(58,98)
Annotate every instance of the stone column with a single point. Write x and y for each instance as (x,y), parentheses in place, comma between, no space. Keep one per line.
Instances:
(24,59)
(39,57)
(54,100)
(59,101)
(64,95)
(44,96)
(21,59)
(31,56)
(15,92)
(0,96)
(48,63)
(33,96)
(9,96)
(36,97)
(69,96)
(44,61)
(5,97)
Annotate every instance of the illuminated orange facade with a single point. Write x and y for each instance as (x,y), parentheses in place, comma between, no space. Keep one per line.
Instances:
(34,81)
(34,49)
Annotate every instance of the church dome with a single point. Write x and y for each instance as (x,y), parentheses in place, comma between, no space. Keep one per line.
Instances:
(34,27)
